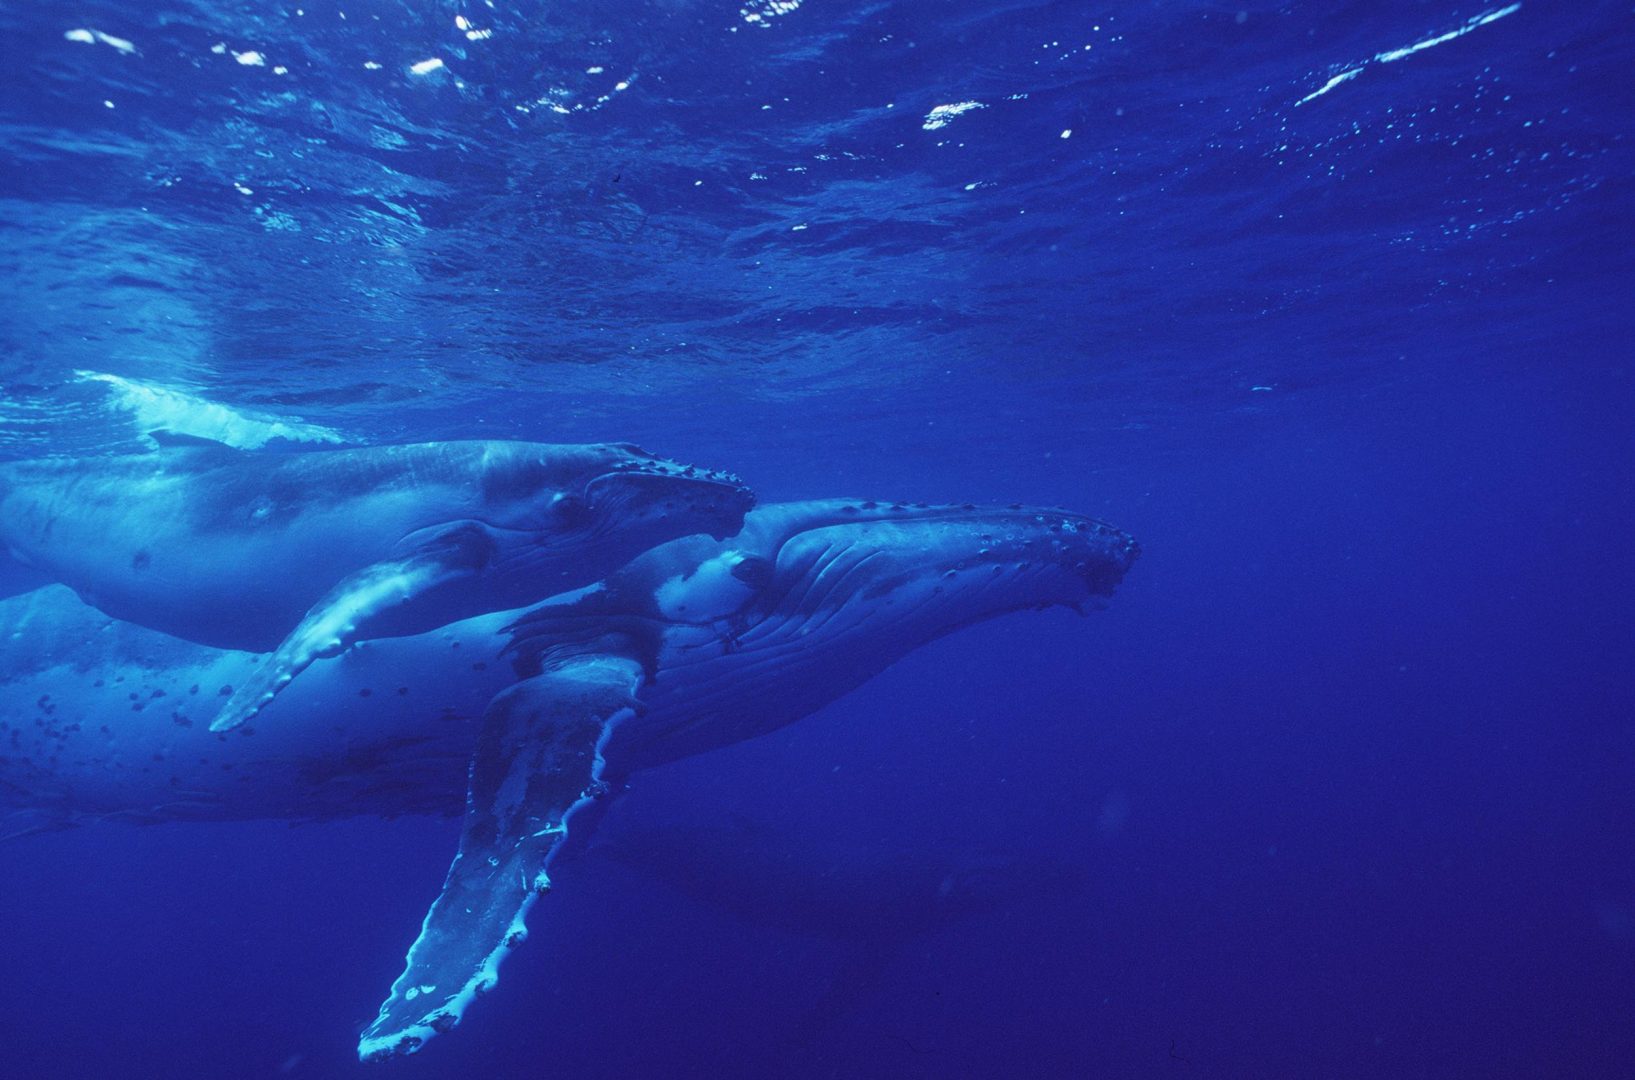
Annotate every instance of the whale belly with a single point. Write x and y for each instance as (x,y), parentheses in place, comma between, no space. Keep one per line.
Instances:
(118,725)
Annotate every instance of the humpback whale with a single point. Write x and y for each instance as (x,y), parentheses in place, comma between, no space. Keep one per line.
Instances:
(304,553)
(521,719)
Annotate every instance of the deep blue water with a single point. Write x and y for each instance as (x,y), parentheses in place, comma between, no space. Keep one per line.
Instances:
(1339,785)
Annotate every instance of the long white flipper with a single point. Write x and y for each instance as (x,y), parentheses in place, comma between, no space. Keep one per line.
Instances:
(538,759)
(352,610)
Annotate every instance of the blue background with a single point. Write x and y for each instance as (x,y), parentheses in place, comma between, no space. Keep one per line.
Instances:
(1338,786)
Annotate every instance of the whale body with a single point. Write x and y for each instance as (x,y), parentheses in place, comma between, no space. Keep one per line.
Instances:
(304,553)
(103,719)
(522,719)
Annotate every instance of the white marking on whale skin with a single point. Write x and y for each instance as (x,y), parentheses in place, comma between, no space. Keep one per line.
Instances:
(454,1006)
(709,592)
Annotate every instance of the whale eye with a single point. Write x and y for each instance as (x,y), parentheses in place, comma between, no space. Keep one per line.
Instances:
(571,509)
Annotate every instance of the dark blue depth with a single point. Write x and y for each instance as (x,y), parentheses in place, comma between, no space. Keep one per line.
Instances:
(1339,785)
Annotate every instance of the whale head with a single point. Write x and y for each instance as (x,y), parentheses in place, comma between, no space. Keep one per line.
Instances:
(922,569)
(598,505)
(810,600)
(640,493)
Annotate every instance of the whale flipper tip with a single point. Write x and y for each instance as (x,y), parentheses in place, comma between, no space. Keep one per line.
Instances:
(538,759)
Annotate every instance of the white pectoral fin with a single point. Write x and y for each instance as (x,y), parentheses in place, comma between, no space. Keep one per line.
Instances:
(538,758)
(351,610)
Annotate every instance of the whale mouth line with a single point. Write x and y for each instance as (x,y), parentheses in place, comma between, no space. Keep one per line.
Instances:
(696,479)
(1087,568)
(717,501)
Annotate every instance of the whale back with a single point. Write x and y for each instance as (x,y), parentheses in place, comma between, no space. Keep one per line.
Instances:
(233,548)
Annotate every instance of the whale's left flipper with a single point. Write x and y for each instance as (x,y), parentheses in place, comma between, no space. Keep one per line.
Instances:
(538,758)
(361,606)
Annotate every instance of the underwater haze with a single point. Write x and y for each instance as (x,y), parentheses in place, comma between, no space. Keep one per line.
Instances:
(1328,305)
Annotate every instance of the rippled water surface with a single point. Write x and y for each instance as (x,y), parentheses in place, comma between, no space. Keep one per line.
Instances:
(1328,304)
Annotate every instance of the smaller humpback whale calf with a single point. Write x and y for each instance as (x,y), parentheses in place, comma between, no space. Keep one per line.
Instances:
(518,719)
(304,553)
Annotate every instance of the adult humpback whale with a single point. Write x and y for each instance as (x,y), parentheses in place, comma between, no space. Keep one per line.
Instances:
(305,553)
(693,645)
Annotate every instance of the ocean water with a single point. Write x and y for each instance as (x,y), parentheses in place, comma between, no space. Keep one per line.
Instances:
(1327,304)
